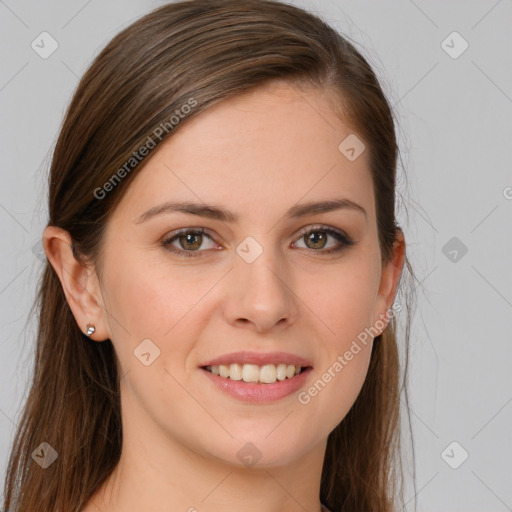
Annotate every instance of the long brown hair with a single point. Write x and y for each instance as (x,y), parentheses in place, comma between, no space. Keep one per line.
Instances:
(207,51)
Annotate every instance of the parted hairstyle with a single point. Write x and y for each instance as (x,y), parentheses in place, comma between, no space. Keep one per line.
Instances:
(133,92)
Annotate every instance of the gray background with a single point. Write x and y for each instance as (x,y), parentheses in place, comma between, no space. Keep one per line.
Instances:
(455,131)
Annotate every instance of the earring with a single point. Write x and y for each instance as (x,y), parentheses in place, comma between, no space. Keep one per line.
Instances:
(90,329)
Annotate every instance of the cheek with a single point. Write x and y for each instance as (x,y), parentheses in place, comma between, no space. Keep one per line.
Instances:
(343,304)
(152,302)
(165,306)
(153,318)
(343,307)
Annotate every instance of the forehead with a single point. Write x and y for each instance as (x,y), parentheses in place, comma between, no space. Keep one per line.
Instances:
(261,151)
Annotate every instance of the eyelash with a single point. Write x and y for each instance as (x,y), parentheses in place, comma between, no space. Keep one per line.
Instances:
(345,240)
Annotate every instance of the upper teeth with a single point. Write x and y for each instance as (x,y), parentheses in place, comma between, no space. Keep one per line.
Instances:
(267,374)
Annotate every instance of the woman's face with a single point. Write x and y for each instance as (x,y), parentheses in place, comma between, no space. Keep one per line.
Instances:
(254,281)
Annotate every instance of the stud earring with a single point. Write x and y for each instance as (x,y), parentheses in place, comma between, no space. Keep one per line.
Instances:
(90,329)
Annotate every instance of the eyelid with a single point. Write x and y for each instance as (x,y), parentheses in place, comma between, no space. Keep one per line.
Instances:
(192,229)
(321,227)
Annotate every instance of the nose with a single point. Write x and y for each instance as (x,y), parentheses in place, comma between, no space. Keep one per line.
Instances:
(260,293)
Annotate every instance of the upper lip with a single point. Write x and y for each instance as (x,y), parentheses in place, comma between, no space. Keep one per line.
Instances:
(259,358)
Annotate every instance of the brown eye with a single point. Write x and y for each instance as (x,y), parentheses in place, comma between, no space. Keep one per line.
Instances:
(317,238)
(317,241)
(188,242)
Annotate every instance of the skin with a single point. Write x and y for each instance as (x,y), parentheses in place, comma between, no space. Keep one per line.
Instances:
(275,148)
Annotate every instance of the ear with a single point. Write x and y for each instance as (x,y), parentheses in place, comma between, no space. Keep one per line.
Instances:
(389,281)
(79,282)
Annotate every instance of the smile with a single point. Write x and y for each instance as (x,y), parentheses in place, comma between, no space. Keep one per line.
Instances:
(253,373)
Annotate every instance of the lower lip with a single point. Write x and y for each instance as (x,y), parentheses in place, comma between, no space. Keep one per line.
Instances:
(259,393)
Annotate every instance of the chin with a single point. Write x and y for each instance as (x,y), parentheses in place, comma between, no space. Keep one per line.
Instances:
(260,451)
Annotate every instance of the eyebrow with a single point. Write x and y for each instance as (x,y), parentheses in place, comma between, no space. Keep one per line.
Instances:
(217,213)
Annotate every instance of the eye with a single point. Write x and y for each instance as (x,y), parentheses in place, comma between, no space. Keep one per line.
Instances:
(189,241)
(316,238)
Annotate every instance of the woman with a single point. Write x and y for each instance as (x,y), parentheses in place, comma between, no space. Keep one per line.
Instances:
(217,311)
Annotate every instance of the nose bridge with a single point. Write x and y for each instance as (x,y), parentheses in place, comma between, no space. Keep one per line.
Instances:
(260,267)
(262,292)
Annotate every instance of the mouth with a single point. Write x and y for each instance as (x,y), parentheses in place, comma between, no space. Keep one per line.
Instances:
(256,374)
